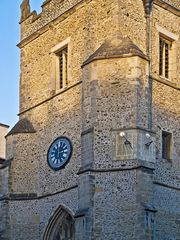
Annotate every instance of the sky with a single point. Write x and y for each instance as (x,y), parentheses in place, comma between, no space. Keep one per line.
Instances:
(9,58)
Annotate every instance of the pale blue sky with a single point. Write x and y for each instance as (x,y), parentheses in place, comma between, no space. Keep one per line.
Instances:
(9,58)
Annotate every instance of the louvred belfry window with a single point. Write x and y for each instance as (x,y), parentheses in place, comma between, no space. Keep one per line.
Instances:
(164,57)
(62,60)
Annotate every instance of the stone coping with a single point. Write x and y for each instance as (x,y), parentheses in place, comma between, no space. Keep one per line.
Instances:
(50,98)
(166,82)
(33,196)
(4,125)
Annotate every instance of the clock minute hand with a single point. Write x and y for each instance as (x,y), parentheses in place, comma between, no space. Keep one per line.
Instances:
(59,150)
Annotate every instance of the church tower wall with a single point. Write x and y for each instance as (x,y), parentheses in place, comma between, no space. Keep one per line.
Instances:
(112,107)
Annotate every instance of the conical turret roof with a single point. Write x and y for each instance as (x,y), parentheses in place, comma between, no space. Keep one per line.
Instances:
(116,47)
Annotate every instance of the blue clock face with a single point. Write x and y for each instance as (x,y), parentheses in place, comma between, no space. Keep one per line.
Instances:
(59,153)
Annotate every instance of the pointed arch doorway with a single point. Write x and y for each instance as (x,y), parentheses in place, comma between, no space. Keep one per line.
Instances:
(61,226)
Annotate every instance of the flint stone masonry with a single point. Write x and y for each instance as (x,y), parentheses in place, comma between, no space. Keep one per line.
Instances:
(37,214)
(115,187)
(3,133)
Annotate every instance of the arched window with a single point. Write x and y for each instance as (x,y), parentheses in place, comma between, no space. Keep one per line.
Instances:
(60,227)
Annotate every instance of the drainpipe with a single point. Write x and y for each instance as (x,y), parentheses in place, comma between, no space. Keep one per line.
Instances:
(148,6)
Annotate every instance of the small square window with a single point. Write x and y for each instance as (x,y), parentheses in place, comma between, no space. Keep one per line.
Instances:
(164,57)
(62,68)
(166,145)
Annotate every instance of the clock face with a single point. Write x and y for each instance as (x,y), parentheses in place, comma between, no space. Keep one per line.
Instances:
(59,153)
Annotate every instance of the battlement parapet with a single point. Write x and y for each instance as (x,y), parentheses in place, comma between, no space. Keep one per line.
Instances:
(31,22)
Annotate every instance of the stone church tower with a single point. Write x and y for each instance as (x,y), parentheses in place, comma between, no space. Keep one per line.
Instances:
(95,154)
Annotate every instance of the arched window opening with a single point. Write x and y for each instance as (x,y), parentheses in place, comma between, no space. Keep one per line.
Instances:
(60,227)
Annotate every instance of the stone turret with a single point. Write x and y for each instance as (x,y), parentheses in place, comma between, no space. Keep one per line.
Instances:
(25,10)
